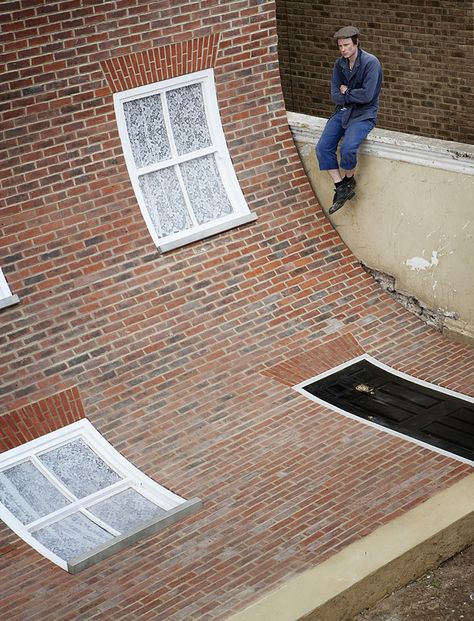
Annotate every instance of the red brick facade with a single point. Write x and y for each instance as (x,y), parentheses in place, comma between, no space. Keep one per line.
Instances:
(425,49)
(179,359)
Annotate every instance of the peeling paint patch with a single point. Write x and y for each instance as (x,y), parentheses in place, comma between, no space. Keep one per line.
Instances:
(418,263)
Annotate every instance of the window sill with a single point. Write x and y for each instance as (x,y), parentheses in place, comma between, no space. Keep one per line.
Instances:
(214,229)
(11,300)
(119,543)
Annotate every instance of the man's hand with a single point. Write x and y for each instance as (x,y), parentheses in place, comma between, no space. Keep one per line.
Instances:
(343,89)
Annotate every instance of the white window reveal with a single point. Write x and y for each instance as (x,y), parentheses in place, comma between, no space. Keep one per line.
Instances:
(178,161)
(76,500)
(6,297)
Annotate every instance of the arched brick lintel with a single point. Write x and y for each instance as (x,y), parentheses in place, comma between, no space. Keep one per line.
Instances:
(329,354)
(36,419)
(161,63)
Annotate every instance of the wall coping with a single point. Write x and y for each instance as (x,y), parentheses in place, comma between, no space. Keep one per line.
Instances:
(444,154)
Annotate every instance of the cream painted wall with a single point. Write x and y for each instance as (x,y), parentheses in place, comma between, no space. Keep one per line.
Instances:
(413,222)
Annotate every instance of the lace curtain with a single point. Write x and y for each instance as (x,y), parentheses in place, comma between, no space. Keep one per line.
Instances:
(184,194)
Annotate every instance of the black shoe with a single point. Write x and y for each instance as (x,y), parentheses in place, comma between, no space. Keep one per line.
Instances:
(342,194)
(350,182)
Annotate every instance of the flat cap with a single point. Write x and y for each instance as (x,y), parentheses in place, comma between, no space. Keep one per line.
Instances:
(346,32)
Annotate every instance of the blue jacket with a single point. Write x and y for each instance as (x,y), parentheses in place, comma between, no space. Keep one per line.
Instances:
(361,101)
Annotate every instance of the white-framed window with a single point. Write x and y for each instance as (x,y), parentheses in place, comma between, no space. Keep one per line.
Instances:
(6,297)
(76,500)
(178,161)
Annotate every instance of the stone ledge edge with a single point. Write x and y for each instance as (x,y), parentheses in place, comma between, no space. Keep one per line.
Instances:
(431,152)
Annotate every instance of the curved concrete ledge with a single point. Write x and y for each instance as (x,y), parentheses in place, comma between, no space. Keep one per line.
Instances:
(443,154)
(374,566)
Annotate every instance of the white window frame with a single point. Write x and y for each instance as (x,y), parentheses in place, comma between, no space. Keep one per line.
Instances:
(175,506)
(6,297)
(241,214)
(411,378)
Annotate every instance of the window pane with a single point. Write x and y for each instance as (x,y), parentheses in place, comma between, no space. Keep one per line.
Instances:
(80,469)
(72,536)
(146,130)
(164,201)
(205,189)
(188,118)
(28,494)
(127,510)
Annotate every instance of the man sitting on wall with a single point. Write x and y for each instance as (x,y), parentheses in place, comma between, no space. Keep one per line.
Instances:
(355,88)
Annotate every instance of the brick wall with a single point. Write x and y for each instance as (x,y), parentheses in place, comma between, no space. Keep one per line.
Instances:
(425,49)
(37,419)
(74,245)
(178,358)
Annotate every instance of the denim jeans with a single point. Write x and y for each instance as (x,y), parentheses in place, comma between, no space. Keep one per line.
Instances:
(352,136)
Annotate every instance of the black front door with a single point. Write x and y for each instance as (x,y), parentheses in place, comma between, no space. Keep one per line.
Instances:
(367,391)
